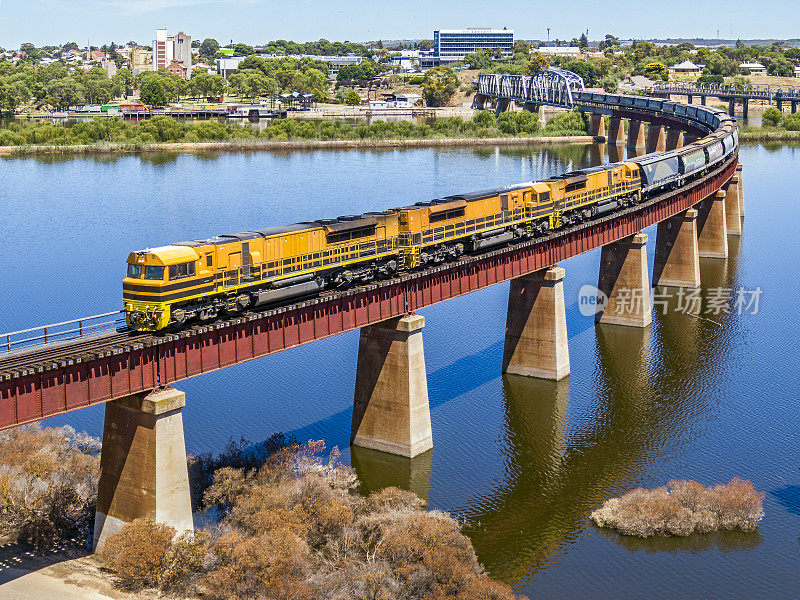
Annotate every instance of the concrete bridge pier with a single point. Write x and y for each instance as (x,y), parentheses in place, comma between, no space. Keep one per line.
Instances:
(702,100)
(732,107)
(740,181)
(390,406)
(712,234)
(536,326)
(624,283)
(636,139)
(689,98)
(733,219)
(745,103)
(656,138)
(143,471)
(597,126)
(479,102)
(503,104)
(677,259)
(675,138)
(616,131)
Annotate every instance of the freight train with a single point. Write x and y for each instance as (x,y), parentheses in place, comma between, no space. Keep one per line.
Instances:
(197,281)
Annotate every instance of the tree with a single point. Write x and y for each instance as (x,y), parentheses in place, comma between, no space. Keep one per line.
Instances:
(349,96)
(123,79)
(439,85)
(538,62)
(521,46)
(316,83)
(425,45)
(243,50)
(610,41)
(65,92)
(771,117)
(610,84)
(154,92)
(207,85)
(780,68)
(209,48)
(583,42)
(585,69)
(656,70)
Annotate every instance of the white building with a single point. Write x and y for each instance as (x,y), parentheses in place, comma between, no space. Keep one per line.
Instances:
(168,48)
(753,68)
(391,101)
(453,45)
(563,51)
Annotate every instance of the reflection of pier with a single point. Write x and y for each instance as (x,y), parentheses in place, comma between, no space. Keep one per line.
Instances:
(560,466)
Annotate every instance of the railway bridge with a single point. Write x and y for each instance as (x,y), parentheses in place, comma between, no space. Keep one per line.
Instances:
(143,466)
(731,93)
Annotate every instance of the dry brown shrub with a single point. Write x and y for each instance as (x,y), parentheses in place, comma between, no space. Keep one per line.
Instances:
(295,529)
(48,485)
(139,553)
(272,565)
(683,507)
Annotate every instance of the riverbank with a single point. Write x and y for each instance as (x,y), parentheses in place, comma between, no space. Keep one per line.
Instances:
(767,134)
(289,145)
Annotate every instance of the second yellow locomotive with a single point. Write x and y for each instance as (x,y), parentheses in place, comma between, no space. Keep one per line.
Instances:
(199,280)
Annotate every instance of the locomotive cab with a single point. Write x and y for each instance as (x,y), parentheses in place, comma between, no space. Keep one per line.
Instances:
(154,277)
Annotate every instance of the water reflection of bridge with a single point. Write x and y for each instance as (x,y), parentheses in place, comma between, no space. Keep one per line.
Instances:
(651,398)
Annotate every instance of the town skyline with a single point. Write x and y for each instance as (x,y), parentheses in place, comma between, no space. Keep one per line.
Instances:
(57,21)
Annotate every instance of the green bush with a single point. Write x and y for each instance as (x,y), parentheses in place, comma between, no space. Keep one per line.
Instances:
(771,117)
(484,118)
(792,122)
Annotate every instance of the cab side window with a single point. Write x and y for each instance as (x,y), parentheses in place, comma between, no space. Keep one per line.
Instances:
(182,270)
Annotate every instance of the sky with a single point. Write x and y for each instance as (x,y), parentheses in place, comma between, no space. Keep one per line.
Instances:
(51,22)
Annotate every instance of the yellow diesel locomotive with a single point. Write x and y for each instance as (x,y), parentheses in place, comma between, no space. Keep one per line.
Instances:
(199,280)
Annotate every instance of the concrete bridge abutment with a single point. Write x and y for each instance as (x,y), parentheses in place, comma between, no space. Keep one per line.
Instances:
(677,258)
(390,406)
(536,326)
(624,283)
(143,470)
(712,233)
(636,136)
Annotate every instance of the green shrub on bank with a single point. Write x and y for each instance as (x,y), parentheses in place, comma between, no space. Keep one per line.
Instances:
(165,129)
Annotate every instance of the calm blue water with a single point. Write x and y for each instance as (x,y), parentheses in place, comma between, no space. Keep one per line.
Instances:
(522,461)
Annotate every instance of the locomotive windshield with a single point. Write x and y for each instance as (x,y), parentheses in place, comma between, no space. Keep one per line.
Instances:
(151,272)
(134,271)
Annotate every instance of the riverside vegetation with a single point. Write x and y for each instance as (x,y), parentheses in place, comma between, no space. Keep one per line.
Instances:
(774,126)
(292,526)
(111,132)
(682,508)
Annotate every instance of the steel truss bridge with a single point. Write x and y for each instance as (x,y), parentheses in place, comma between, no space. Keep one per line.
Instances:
(71,373)
(732,93)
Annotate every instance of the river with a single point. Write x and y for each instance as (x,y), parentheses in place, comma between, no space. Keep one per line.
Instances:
(521,461)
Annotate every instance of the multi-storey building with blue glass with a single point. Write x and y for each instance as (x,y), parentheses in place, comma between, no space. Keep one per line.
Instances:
(451,45)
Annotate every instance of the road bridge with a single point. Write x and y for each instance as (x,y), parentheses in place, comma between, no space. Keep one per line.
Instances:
(143,472)
(731,93)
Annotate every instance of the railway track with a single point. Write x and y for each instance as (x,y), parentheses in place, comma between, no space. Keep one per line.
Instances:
(66,352)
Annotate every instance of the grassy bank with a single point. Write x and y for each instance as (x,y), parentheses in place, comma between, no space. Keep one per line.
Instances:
(288,145)
(767,134)
(162,133)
